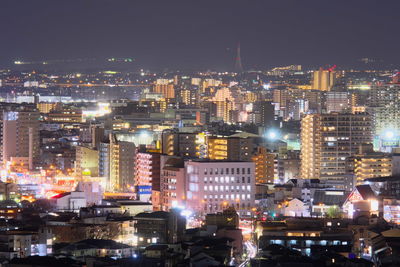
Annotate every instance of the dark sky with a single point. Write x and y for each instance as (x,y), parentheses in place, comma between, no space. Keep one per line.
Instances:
(202,33)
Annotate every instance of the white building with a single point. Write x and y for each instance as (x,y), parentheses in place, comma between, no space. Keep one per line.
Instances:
(70,201)
(93,192)
(212,186)
(296,208)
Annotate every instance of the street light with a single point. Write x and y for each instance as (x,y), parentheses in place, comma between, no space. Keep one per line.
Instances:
(388,134)
(272,134)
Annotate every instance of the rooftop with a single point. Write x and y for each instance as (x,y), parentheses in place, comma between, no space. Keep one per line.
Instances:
(328,197)
(365,191)
(95,243)
(152,215)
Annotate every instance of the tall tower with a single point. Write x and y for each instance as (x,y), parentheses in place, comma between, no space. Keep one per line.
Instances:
(238,60)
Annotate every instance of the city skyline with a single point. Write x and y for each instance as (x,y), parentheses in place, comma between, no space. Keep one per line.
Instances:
(199,133)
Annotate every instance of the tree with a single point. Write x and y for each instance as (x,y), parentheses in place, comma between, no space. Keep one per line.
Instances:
(333,212)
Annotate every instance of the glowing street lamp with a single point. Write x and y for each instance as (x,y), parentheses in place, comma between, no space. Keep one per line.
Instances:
(388,134)
(272,134)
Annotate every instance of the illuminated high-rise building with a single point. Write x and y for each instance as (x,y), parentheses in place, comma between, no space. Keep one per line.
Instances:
(46,107)
(66,115)
(313,97)
(104,160)
(185,96)
(217,148)
(187,145)
(357,103)
(225,103)
(189,97)
(288,166)
(310,150)
(229,148)
(224,109)
(323,80)
(196,81)
(164,87)
(297,108)
(21,138)
(122,165)
(267,112)
(280,96)
(372,165)
(327,140)
(264,166)
(384,105)
(86,162)
(250,97)
(97,135)
(210,83)
(337,101)
(368,164)
(381,95)
(147,172)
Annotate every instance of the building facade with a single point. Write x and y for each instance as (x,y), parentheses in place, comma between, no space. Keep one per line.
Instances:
(327,140)
(212,186)
(21,145)
(122,165)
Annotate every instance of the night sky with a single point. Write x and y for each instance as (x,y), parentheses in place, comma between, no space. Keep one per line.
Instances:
(202,34)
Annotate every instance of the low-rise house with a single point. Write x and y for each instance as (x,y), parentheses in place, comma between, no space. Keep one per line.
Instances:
(362,201)
(296,208)
(97,248)
(325,200)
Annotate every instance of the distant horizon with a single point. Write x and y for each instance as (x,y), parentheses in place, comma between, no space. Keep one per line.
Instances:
(89,64)
(203,34)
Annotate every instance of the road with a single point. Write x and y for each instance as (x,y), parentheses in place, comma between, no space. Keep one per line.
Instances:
(251,253)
